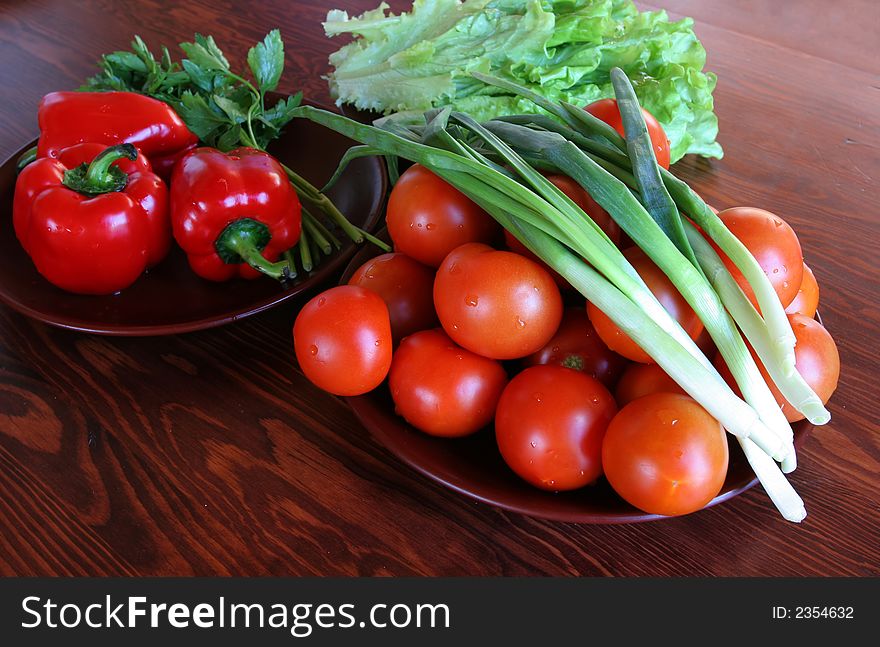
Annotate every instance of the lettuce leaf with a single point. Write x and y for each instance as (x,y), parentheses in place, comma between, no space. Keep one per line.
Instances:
(563,49)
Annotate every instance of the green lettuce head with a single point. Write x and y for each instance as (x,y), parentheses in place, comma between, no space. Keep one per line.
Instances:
(563,49)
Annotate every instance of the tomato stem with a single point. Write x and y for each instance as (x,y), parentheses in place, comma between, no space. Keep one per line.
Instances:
(574,361)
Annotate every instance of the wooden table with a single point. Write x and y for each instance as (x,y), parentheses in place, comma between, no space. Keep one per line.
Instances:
(209,453)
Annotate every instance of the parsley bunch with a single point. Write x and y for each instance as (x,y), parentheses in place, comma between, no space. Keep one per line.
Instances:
(222,108)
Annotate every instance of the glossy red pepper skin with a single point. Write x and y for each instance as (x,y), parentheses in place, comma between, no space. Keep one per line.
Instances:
(68,118)
(163,165)
(210,190)
(91,244)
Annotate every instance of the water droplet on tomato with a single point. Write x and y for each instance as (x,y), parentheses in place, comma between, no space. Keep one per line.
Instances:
(321,301)
(313,349)
(471,301)
(666,416)
(454,268)
(430,226)
(520,322)
(533,444)
(776,270)
(378,342)
(538,397)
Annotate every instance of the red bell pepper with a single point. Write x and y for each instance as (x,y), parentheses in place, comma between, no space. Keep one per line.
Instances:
(92,228)
(68,118)
(234,213)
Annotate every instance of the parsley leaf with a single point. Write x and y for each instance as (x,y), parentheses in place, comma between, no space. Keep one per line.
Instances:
(200,117)
(232,109)
(205,53)
(266,60)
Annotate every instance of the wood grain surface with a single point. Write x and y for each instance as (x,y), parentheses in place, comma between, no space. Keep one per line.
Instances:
(209,453)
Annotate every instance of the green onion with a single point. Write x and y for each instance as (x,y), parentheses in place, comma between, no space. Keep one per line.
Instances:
(696,289)
(780,491)
(560,233)
(689,203)
(325,233)
(773,312)
(561,111)
(645,169)
(309,224)
(789,382)
(531,211)
(592,243)
(305,252)
(633,218)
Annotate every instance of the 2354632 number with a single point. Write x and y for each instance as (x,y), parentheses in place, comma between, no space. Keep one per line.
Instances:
(808,613)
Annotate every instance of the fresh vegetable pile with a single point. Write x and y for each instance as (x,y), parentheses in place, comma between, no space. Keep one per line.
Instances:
(563,49)
(117,173)
(518,206)
(699,322)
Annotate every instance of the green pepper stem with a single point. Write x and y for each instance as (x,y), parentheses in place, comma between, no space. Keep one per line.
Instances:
(98,172)
(101,176)
(279,271)
(243,241)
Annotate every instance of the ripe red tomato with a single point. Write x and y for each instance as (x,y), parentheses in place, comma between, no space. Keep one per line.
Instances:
(665,454)
(576,345)
(806,301)
(342,339)
(773,244)
(405,286)
(427,218)
(441,388)
(665,292)
(607,111)
(640,380)
(549,426)
(816,359)
(513,244)
(495,303)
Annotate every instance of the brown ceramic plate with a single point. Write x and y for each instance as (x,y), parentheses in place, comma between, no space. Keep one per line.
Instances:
(473,466)
(171,298)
